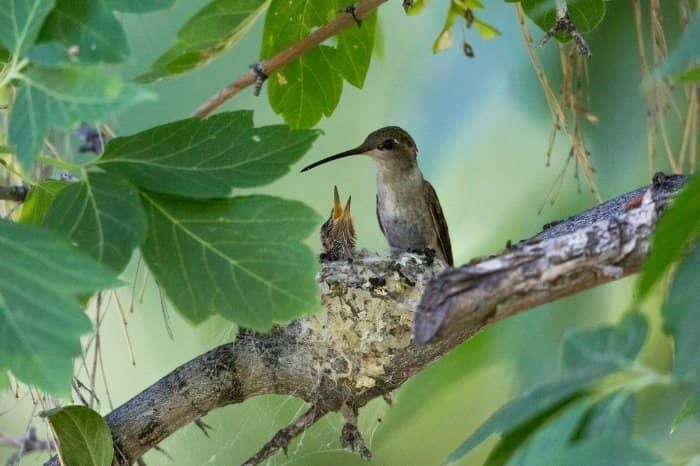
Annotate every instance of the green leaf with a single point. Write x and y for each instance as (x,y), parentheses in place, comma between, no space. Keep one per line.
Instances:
(207,158)
(607,451)
(83,436)
(444,39)
(612,416)
(687,410)
(310,86)
(680,313)
(89,25)
(211,31)
(552,438)
(39,200)
(41,279)
(4,380)
(61,98)
(531,404)
(606,348)
(139,6)
(689,76)
(585,14)
(102,216)
(20,21)
(241,258)
(485,30)
(678,225)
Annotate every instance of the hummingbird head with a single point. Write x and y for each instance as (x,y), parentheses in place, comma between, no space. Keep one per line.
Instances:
(390,145)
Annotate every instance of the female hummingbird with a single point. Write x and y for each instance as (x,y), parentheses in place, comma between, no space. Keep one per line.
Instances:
(408,208)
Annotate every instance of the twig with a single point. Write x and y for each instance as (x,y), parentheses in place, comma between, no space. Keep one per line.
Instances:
(272,64)
(25,445)
(283,437)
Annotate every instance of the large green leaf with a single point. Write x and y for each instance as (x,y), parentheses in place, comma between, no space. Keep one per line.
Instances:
(83,436)
(587,356)
(210,32)
(551,438)
(207,158)
(41,280)
(241,258)
(680,314)
(606,451)
(20,21)
(39,200)
(606,348)
(61,98)
(101,215)
(585,14)
(677,227)
(139,6)
(310,86)
(89,25)
(612,416)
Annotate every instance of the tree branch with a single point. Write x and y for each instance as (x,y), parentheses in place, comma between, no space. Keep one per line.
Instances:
(13,193)
(291,53)
(25,445)
(361,347)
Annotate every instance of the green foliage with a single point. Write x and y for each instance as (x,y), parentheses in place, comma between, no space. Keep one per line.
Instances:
(585,14)
(606,451)
(39,200)
(60,98)
(587,356)
(678,226)
(689,76)
(211,31)
(83,436)
(460,9)
(20,21)
(682,61)
(611,416)
(4,380)
(310,86)
(681,321)
(241,258)
(102,215)
(139,6)
(207,158)
(41,278)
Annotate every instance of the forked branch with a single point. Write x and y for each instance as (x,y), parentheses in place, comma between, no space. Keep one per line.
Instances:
(362,346)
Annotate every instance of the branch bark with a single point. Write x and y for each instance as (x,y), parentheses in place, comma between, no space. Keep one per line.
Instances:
(13,193)
(362,346)
(291,53)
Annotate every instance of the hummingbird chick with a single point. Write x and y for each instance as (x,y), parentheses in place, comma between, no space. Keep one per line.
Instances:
(408,208)
(338,233)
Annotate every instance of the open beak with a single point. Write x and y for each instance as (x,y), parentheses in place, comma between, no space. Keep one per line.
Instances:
(347,153)
(337,209)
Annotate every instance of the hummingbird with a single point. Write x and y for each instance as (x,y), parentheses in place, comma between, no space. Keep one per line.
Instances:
(408,208)
(338,233)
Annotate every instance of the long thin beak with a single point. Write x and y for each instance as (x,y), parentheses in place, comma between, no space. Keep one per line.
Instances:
(347,153)
(337,208)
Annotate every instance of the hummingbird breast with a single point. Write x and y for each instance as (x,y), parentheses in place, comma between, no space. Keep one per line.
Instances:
(403,212)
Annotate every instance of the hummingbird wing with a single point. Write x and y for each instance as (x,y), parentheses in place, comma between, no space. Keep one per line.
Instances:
(379,218)
(439,223)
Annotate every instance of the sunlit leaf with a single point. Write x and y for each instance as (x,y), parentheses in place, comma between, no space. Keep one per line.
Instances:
(241,258)
(689,76)
(207,158)
(102,215)
(678,225)
(444,39)
(83,436)
(552,438)
(605,348)
(211,31)
(39,200)
(310,86)
(485,30)
(41,279)
(20,21)
(61,98)
(687,410)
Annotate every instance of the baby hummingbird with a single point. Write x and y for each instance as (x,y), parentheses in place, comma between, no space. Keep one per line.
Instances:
(338,233)
(408,208)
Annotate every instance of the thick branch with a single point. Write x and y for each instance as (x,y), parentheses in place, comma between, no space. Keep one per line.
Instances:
(291,53)
(361,347)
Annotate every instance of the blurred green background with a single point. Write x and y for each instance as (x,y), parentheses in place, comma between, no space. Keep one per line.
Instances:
(482,127)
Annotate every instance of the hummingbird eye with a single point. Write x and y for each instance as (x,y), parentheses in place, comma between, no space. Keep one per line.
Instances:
(388,144)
